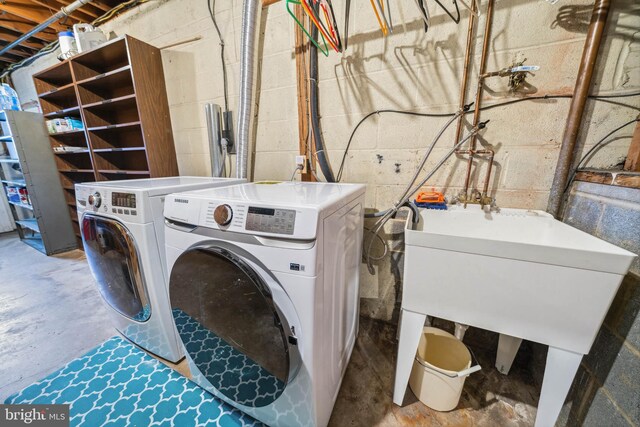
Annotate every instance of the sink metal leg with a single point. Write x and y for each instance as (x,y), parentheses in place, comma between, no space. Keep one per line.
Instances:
(410,332)
(507,349)
(561,368)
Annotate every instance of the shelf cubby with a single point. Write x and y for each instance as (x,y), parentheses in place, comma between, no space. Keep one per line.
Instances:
(111,112)
(73,161)
(53,78)
(133,161)
(127,135)
(69,196)
(108,57)
(110,175)
(59,100)
(69,139)
(77,176)
(116,84)
(66,112)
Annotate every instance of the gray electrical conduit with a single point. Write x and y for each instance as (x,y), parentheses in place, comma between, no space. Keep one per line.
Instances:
(251,12)
(383,220)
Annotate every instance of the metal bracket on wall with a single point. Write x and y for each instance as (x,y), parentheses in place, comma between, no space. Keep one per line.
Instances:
(227,131)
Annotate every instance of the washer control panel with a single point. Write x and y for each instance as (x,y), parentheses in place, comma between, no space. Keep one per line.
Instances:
(123,200)
(268,220)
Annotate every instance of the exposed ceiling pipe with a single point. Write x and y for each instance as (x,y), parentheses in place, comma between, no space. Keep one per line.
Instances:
(251,12)
(64,11)
(578,102)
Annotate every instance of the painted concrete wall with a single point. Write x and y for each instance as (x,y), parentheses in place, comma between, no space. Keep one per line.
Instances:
(409,70)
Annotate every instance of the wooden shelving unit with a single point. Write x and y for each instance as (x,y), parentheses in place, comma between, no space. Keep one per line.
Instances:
(119,93)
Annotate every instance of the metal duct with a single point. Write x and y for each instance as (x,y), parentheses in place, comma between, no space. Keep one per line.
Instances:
(251,12)
(65,11)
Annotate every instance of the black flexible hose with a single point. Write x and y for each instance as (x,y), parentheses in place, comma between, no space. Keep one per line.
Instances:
(321,155)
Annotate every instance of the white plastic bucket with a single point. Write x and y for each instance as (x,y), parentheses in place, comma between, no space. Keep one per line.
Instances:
(440,368)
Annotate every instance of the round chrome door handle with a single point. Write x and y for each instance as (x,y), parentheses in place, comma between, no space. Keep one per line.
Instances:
(223,214)
(95,200)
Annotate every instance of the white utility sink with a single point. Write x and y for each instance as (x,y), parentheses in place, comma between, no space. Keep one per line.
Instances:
(517,272)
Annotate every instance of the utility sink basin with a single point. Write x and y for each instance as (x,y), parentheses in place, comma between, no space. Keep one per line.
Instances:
(517,272)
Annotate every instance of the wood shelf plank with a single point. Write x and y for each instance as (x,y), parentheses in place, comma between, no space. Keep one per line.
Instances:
(69,132)
(103,75)
(75,170)
(116,150)
(62,113)
(123,172)
(113,101)
(114,126)
(68,87)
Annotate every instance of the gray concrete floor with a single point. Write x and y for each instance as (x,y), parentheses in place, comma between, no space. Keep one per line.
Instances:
(51,313)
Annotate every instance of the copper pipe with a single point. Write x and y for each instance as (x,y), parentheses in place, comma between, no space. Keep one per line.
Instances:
(483,66)
(578,102)
(465,71)
(491,153)
(476,112)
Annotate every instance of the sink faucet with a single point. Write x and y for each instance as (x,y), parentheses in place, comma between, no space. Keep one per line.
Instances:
(476,197)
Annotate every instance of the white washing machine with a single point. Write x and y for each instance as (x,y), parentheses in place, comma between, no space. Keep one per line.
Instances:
(122,227)
(264,291)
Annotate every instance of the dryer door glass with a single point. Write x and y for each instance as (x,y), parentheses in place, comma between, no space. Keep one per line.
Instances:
(114,262)
(230,326)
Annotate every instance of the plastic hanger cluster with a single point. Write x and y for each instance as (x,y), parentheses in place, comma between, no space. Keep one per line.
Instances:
(322,16)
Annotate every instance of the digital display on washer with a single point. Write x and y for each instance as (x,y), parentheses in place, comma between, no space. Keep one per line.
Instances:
(267,220)
(123,200)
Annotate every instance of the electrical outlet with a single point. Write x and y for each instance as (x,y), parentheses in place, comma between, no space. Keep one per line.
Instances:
(302,161)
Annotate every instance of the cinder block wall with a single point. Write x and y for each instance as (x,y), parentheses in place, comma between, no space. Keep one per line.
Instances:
(409,70)
(606,391)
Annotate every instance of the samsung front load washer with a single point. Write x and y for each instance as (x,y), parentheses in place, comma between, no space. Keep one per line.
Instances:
(264,291)
(122,227)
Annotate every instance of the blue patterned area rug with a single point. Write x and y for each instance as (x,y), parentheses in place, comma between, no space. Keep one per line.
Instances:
(227,369)
(117,384)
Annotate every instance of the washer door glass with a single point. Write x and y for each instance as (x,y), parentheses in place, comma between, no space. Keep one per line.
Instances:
(230,326)
(114,262)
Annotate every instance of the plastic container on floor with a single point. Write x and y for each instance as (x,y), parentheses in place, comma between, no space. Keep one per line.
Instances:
(440,368)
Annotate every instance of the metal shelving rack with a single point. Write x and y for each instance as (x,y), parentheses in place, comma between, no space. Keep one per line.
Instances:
(29,167)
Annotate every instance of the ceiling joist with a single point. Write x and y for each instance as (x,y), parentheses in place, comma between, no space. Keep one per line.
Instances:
(19,25)
(11,36)
(33,13)
(18,17)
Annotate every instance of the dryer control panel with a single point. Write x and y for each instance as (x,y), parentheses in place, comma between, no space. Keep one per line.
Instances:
(268,220)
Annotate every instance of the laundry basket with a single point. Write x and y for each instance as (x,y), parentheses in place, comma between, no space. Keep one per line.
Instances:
(440,368)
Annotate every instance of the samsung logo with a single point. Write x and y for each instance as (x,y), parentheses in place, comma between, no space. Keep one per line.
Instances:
(181,200)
